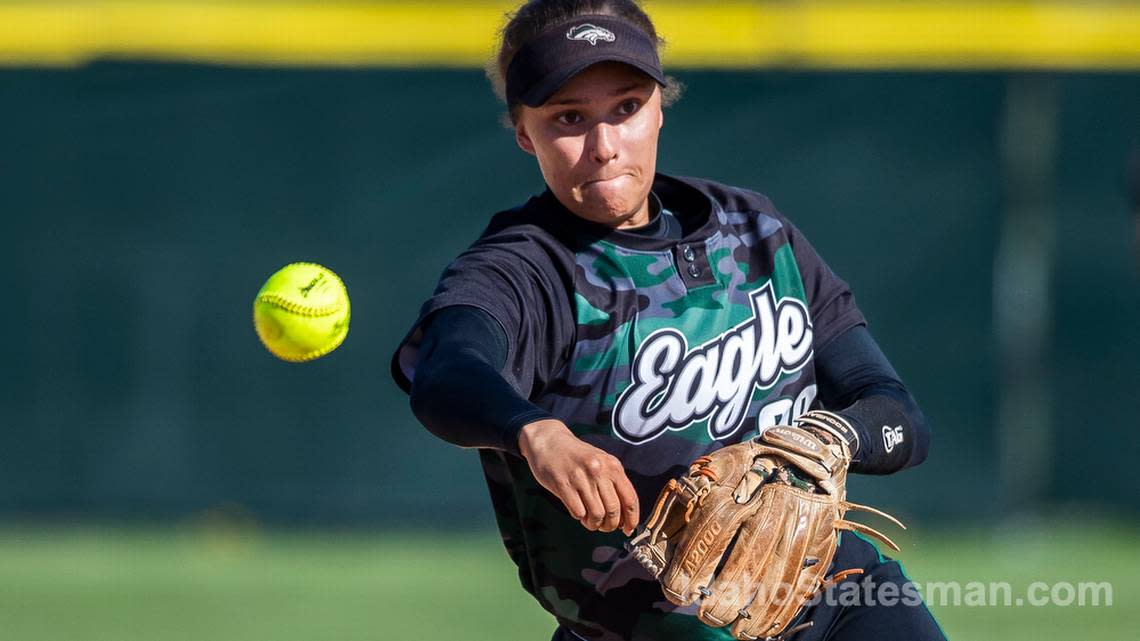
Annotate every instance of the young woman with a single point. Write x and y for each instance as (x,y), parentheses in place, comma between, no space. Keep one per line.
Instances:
(578,342)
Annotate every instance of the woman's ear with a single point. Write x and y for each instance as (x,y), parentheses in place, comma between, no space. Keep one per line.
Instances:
(522,139)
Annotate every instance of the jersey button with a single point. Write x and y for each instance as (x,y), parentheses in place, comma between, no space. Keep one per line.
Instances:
(688,254)
(694,271)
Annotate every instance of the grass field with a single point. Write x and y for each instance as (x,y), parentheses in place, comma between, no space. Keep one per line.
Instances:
(63,584)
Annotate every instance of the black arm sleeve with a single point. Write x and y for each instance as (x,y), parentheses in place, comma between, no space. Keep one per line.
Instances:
(857,382)
(832,306)
(459,392)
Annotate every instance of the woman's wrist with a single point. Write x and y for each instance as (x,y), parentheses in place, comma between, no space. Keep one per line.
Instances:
(533,436)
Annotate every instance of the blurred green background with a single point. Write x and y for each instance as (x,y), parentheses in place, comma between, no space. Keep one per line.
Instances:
(163,477)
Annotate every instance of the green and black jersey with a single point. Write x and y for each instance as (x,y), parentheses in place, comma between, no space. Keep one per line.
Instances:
(655,350)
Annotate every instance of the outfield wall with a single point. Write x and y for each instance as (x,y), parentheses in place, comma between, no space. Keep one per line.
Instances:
(145,203)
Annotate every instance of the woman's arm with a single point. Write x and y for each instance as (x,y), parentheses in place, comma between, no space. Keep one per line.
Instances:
(458,391)
(857,381)
(460,395)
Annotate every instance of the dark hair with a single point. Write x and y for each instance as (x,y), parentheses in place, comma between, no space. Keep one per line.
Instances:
(535,16)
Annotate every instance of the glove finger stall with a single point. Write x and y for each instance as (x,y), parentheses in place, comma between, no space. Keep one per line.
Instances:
(703,543)
(805,535)
(735,584)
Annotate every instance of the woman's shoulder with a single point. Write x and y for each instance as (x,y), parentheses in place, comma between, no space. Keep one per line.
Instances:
(517,240)
(533,221)
(731,199)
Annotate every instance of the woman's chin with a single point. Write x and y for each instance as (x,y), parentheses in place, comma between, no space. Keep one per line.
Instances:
(607,204)
(606,212)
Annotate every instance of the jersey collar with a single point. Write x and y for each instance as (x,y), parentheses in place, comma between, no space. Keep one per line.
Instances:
(697,211)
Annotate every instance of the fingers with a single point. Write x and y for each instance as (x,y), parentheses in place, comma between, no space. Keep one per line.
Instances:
(587,490)
(611,517)
(616,504)
(630,508)
(569,495)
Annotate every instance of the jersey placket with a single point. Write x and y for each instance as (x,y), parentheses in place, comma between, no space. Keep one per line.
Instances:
(692,261)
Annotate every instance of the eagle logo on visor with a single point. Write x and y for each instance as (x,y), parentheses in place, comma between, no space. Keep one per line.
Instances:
(590,34)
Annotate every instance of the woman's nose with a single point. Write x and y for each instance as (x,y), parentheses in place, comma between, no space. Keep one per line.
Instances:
(603,143)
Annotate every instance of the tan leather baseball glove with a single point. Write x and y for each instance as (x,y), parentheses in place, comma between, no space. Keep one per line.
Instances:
(752,528)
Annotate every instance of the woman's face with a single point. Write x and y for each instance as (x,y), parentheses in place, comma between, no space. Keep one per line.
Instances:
(596,143)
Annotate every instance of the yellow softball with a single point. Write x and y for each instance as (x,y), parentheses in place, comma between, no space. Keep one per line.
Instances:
(301,312)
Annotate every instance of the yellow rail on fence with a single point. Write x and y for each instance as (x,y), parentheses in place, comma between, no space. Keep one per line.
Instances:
(804,34)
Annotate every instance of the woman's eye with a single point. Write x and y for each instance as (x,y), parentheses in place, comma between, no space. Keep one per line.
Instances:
(628,107)
(569,117)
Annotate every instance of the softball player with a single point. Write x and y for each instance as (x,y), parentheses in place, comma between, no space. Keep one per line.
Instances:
(601,336)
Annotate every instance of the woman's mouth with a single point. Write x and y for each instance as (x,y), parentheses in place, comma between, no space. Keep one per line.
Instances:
(602,180)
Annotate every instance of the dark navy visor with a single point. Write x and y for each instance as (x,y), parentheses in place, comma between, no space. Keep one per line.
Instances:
(540,68)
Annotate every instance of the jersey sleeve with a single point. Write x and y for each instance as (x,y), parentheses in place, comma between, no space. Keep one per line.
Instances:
(517,282)
(832,306)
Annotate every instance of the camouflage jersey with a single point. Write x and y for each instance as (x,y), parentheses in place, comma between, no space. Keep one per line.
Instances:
(654,350)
